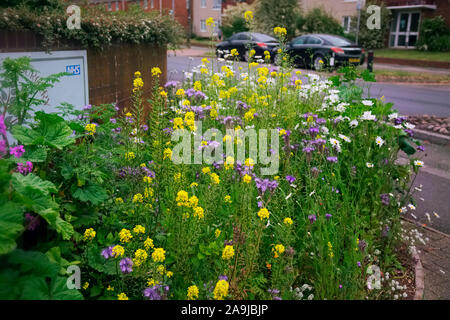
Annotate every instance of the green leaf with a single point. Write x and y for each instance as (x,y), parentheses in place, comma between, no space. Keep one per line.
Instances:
(21,183)
(64,228)
(59,291)
(50,131)
(67,171)
(9,290)
(33,262)
(405,145)
(33,154)
(97,262)
(11,225)
(90,192)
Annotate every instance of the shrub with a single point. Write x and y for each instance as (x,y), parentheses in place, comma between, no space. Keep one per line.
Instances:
(372,39)
(99,28)
(434,35)
(238,24)
(317,20)
(282,13)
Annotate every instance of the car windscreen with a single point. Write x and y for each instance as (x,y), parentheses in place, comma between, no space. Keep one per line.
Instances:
(263,37)
(337,41)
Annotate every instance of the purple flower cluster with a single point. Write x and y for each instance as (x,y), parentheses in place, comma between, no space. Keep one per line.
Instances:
(265,184)
(312,218)
(33,222)
(385,200)
(290,179)
(25,168)
(156,292)
(107,252)
(275,294)
(126,265)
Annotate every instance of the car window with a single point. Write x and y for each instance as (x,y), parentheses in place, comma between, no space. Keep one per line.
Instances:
(242,36)
(300,40)
(313,40)
(337,41)
(263,37)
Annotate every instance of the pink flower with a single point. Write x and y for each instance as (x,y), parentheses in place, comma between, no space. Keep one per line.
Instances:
(17,151)
(25,169)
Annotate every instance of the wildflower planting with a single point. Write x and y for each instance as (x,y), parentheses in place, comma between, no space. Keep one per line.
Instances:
(242,182)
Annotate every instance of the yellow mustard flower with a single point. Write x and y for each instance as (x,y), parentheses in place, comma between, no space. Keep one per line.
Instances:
(158,255)
(221,290)
(192,293)
(125,235)
(228,252)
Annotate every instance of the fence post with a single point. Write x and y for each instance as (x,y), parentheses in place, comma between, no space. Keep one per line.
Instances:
(370,60)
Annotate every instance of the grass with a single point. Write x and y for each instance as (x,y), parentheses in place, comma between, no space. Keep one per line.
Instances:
(413,55)
(407,76)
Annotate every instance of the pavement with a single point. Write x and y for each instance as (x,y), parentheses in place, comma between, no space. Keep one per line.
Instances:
(435,258)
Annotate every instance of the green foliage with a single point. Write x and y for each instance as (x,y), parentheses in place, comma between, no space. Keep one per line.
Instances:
(318,20)
(238,24)
(376,38)
(282,14)
(99,28)
(434,35)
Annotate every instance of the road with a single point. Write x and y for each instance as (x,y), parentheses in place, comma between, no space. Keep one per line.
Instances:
(408,99)
(434,178)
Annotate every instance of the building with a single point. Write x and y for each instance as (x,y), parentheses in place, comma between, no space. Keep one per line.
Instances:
(202,10)
(406,16)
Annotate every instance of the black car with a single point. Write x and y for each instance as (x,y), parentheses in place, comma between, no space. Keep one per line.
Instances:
(322,50)
(245,41)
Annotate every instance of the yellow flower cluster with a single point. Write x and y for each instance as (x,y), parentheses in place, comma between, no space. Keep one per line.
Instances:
(288,221)
(139,257)
(263,213)
(330,250)
(119,200)
(199,212)
(234,52)
(130,156)
(167,154)
(118,251)
(278,250)
(248,15)
(210,22)
(280,31)
(158,255)
(148,243)
(247,178)
(122,296)
(156,72)
(217,233)
(91,128)
(89,234)
(125,235)
(197,86)
(192,293)
(228,252)
(227,199)
(139,229)
(138,198)
(221,290)
(215,178)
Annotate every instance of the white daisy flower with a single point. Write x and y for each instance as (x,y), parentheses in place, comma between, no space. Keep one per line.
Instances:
(367,103)
(345,138)
(418,163)
(368,116)
(369,165)
(353,123)
(379,141)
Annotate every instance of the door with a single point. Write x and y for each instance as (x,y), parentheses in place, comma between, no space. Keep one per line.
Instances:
(298,50)
(404,29)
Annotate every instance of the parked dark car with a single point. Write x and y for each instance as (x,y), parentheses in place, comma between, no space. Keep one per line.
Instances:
(322,50)
(245,41)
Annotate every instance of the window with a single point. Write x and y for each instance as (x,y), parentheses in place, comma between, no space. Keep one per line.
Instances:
(299,40)
(152,5)
(109,6)
(117,5)
(313,40)
(346,21)
(203,4)
(203,25)
(404,29)
(145,4)
(217,4)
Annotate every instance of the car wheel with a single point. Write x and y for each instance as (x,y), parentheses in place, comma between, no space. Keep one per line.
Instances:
(319,63)
(246,56)
(277,59)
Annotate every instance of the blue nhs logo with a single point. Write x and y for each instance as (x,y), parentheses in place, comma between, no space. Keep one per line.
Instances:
(74,69)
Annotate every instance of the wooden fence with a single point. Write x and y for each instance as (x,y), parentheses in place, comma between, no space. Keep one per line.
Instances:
(110,71)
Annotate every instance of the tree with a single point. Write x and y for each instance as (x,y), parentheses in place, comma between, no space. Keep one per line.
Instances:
(318,20)
(277,13)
